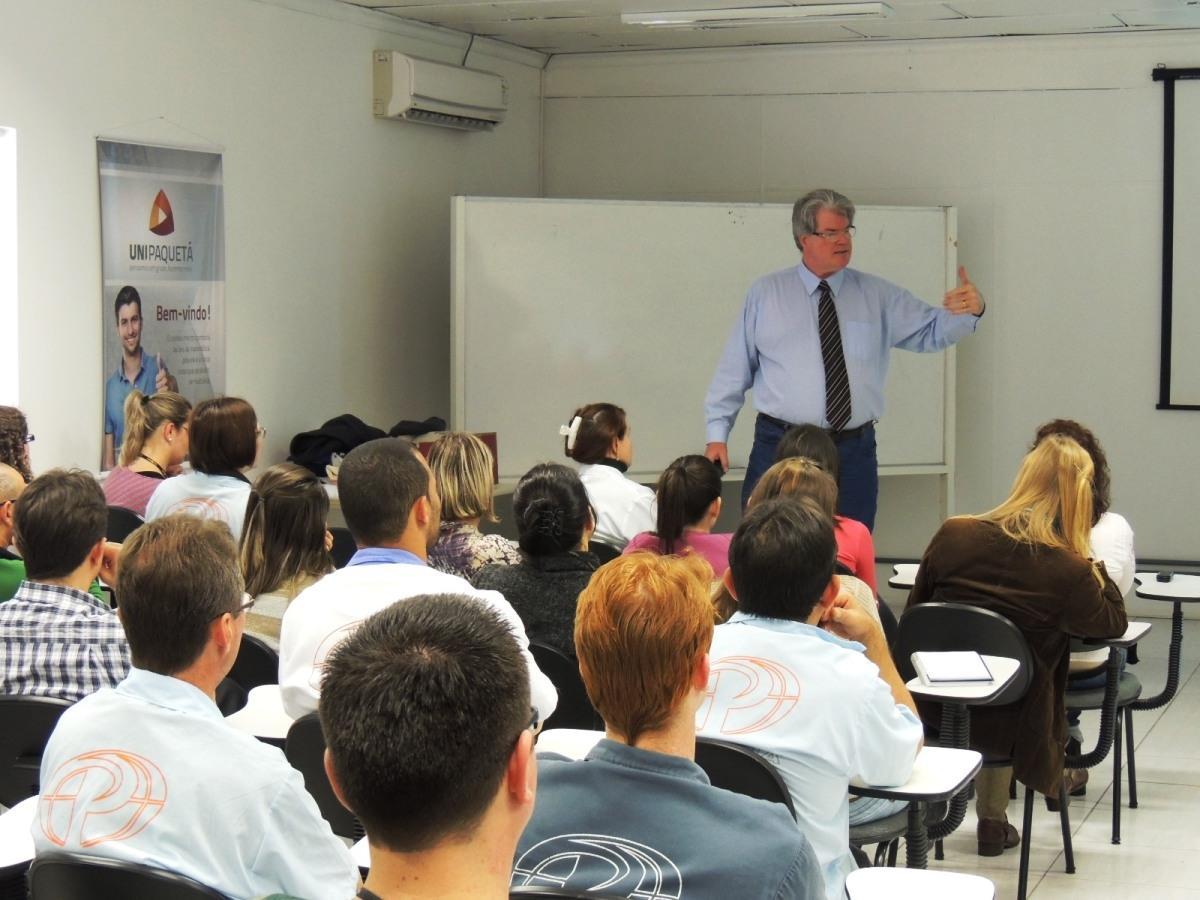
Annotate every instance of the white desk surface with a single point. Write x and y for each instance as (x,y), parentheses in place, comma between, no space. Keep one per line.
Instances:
(573,743)
(16,841)
(917,884)
(1003,669)
(1184,588)
(263,714)
(938,773)
(904,575)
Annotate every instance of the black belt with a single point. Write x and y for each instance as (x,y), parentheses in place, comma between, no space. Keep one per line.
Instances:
(838,437)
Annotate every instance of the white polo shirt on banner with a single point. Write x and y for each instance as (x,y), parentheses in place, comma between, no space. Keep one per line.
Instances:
(325,614)
(149,772)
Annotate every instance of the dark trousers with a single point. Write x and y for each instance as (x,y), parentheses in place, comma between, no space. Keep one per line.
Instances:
(858,481)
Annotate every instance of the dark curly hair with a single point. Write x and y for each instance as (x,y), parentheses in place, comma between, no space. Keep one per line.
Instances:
(13,431)
(1088,441)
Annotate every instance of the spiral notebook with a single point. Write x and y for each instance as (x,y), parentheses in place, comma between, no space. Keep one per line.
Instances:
(951,667)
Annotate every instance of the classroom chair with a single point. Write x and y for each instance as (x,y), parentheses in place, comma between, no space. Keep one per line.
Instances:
(60,876)
(25,726)
(122,522)
(305,750)
(574,709)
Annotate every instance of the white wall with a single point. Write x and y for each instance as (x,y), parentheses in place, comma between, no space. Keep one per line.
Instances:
(1050,148)
(337,240)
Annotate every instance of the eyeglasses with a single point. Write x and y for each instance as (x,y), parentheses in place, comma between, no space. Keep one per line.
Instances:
(29,439)
(533,721)
(261,431)
(247,604)
(833,235)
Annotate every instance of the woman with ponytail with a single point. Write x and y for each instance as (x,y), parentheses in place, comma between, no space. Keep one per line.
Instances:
(555,523)
(689,503)
(285,542)
(156,442)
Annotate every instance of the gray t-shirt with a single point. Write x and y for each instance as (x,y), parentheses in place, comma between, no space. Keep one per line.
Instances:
(648,825)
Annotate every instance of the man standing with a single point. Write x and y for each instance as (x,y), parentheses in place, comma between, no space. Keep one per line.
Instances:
(638,817)
(150,773)
(136,370)
(427,717)
(803,676)
(56,639)
(813,343)
(390,501)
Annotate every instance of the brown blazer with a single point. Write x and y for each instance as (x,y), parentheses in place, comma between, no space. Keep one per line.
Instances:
(1050,595)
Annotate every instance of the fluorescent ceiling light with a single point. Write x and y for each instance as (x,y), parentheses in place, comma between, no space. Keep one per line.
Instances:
(756,15)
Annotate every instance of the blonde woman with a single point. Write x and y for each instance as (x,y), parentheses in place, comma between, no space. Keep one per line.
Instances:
(156,442)
(462,470)
(285,543)
(1027,560)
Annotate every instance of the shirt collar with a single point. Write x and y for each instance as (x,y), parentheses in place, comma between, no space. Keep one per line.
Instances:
(618,754)
(141,367)
(375,556)
(788,626)
(811,282)
(168,692)
(57,594)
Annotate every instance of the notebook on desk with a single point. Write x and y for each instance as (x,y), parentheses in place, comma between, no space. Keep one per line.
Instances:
(951,667)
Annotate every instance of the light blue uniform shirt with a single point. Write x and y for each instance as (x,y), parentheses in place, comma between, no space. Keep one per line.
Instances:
(815,706)
(118,388)
(775,346)
(149,772)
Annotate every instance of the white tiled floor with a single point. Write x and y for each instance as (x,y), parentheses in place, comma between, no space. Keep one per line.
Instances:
(1159,853)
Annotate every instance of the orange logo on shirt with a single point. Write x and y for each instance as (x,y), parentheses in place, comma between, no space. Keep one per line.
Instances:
(104,795)
(162,220)
(753,693)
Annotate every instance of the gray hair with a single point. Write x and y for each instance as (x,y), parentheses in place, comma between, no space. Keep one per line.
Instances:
(804,213)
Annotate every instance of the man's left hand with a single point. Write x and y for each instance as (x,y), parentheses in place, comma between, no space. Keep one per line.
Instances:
(165,381)
(965,298)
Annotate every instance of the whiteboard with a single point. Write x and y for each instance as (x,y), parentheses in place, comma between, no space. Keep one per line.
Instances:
(558,303)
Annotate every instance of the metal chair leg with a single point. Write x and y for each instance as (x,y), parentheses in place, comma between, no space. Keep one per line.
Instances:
(1129,761)
(1026,835)
(938,850)
(1116,815)
(1064,818)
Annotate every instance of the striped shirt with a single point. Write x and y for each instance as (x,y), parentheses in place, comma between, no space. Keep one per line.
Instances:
(56,641)
(130,489)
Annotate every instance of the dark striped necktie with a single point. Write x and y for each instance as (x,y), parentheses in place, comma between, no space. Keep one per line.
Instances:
(837,383)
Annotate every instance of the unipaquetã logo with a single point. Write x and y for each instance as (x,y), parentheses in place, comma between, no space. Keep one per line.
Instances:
(101,796)
(162,220)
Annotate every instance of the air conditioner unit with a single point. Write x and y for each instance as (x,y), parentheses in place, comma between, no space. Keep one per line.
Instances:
(420,90)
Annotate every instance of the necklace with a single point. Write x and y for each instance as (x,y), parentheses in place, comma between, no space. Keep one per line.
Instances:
(161,470)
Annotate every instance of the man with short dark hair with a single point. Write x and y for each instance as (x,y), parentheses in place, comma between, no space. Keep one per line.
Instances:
(149,772)
(137,369)
(638,817)
(391,506)
(803,676)
(56,639)
(427,718)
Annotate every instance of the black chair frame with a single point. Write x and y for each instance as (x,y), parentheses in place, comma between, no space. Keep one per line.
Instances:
(61,876)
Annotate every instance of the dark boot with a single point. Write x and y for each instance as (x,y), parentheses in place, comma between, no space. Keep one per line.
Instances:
(996,836)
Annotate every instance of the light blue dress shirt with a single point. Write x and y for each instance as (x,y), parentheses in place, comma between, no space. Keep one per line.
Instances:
(149,772)
(118,388)
(775,346)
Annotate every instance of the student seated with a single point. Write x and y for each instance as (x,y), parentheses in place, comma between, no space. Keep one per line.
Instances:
(12,569)
(462,467)
(149,772)
(856,547)
(223,442)
(554,521)
(599,438)
(638,817)
(689,503)
(426,711)
(391,505)
(804,677)
(15,440)
(56,638)
(285,543)
(156,443)
(1027,560)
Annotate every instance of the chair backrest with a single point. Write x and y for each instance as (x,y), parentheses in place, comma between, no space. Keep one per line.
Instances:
(25,726)
(305,750)
(887,619)
(574,709)
(958,626)
(343,546)
(122,522)
(603,552)
(256,663)
(59,876)
(743,771)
